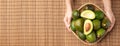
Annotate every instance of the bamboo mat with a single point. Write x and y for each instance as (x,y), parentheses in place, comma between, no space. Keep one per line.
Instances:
(40,23)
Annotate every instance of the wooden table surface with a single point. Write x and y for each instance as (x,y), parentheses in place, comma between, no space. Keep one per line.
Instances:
(40,23)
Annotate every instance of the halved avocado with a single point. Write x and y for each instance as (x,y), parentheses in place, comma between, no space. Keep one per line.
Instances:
(89,14)
(88,27)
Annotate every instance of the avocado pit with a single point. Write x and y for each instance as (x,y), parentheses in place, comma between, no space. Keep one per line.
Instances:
(87,27)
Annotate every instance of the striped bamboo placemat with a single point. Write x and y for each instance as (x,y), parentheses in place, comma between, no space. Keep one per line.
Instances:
(40,23)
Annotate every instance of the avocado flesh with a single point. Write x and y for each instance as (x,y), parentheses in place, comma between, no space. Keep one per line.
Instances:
(89,14)
(88,30)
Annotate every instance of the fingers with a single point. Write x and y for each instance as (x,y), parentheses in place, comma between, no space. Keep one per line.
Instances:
(110,15)
(108,10)
(67,19)
(67,22)
(68,29)
(69,13)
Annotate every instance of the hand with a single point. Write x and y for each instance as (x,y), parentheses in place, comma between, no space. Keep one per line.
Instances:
(67,18)
(68,14)
(108,11)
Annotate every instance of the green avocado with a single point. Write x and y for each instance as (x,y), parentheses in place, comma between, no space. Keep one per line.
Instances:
(75,14)
(90,7)
(72,26)
(79,24)
(100,32)
(81,36)
(88,27)
(89,14)
(105,23)
(91,37)
(99,14)
(96,24)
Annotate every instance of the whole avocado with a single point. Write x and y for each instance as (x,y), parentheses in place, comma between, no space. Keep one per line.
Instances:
(96,24)
(100,32)
(72,26)
(99,15)
(105,23)
(91,37)
(81,35)
(79,24)
(75,14)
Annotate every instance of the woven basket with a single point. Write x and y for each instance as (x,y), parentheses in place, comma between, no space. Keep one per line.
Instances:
(107,31)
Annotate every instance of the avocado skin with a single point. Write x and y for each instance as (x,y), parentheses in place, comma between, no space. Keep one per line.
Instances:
(96,24)
(99,15)
(72,26)
(79,24)
(100,32)
(91,37)
(75,14)
(105,23)
(90,7)
(81,35)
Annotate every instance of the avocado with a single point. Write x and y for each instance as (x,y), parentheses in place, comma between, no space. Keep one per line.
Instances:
(72,26)
(105,23)
(79,24)
(96,24)
(75,14)
(88,27)
(81,35)
(100,32)
(91,37)
(89,14)
(99,14)
(90,7)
